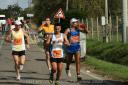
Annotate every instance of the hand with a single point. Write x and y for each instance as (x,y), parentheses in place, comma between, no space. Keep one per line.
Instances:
(28,47)
(67,43)
(59,41)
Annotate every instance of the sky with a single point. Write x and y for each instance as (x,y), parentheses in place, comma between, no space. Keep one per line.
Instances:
(22,3)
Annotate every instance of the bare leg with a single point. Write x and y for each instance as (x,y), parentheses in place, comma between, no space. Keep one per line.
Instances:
(77,60)
(54,69)
(16,60)
(22,61)
(68,61)
(48,60)
(59,70)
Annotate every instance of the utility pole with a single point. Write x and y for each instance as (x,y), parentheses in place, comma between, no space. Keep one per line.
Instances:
(17,3)
(124,19)
(105,37)
(67,3)
(106,11)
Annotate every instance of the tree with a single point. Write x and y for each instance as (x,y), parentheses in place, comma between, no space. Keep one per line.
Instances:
(43,9)
(89,8)
(14,10)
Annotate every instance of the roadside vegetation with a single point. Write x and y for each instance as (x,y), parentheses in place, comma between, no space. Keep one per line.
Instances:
(108,58)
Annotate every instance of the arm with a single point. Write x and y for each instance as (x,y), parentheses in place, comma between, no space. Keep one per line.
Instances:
(41,27)
(27,37)
(83,28)
(66,41)
(8,37)
(48,40)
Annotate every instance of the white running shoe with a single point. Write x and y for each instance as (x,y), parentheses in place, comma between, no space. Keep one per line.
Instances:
(68,73)
(18,77)
(21,67)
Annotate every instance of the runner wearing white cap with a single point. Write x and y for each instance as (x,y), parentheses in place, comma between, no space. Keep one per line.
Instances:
(15,36)
(73,35)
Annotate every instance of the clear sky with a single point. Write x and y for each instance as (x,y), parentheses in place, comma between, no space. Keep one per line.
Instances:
(4,3)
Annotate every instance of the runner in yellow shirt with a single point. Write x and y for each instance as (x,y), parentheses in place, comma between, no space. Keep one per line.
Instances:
(48,29)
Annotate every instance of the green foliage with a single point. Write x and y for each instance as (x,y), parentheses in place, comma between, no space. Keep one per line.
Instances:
(112,52)
(46,8)
(78,8)
(107,68)
(13,11)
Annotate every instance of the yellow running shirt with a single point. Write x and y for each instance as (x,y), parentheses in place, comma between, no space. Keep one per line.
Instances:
(48,29)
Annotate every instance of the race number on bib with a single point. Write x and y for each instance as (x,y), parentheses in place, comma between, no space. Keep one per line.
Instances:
(57,53)
(75,39)
(18,41)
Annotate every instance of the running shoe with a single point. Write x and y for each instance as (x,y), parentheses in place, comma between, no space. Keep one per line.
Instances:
(51,78)
(21,67)
(57,83)
(68,73)
(79,78)
(18,77)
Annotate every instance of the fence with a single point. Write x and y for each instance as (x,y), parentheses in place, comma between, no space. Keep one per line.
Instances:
(113,29)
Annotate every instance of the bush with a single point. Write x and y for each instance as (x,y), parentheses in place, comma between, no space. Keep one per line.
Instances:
(113,52)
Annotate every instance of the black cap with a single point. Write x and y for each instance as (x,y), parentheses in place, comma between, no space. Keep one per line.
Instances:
(57,24)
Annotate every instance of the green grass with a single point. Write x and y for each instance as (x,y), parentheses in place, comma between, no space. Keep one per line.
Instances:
(107,68)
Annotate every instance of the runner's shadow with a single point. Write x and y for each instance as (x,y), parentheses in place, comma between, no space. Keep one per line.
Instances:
(19,83)
(21,72)
(7,71)
(40,59)
(8,78)
(34,78)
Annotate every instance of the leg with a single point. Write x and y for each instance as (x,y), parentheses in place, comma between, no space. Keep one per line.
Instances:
(16,60)
(68,62)
(22,61)
(54,69)
(48,60)
(59,70)
(77,59)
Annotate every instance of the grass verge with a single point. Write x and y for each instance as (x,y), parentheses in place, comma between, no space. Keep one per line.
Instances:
(107,68)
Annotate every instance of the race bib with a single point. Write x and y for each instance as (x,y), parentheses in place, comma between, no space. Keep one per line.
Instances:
(17,41)
(57,53)
(75,39)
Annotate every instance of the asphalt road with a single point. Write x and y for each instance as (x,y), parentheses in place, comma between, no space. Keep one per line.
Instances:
(35,71)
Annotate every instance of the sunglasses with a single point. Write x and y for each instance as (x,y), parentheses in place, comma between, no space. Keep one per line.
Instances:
(47,20)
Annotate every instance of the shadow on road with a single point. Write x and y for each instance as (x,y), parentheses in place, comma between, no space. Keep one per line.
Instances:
(21,72)
(102,82)
(40,59)
(13,83)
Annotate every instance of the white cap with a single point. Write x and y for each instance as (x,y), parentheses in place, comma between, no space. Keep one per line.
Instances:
(17,22)
(12,27)
(73,20)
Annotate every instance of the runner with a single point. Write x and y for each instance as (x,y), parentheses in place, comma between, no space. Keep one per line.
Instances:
(16,37)
(56,41)
(73,35)
(48,29)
